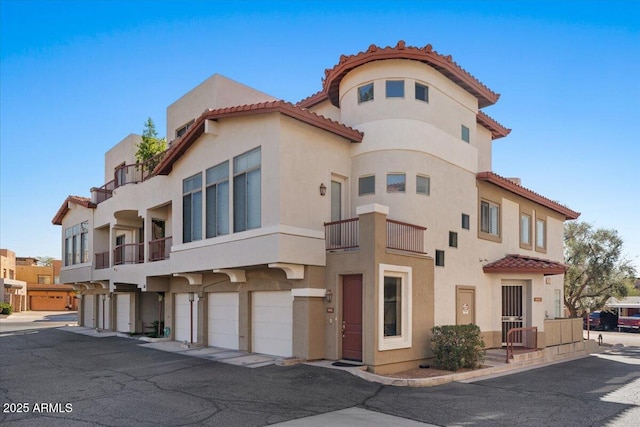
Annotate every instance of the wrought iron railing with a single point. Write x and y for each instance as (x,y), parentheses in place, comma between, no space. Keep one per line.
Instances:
(525,338)
(129,253)
(345,234)
(102,260)
(160,249)
(405,237)
(127,174)
(341,234)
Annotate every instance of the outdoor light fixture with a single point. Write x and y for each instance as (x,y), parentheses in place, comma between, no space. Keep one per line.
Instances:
(323,189)
(328,296)
(191,296)
(160,297)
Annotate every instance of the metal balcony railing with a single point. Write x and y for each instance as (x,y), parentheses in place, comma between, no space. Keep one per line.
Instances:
(129,253)
(345,234)
(102,260)
(127,174)
(160,249)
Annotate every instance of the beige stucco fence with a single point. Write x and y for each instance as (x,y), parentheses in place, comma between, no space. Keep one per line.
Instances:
(562,331)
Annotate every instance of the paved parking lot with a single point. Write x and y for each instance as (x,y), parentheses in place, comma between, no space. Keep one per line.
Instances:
(82,380)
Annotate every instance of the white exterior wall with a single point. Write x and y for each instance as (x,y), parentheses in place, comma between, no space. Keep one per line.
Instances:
(122,152)
(215,92)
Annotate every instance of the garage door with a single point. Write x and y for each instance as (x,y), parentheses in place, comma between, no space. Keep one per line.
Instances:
(87,311)
(223,320)
(272,328)
(47,303)
(183,321)
(104,321)
(123,312)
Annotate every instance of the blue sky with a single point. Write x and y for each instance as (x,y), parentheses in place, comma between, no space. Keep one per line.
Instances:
(78,76)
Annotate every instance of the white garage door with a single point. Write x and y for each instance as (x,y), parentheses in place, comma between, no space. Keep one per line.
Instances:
(183,319)
(104,321)
(223,320)
(88,302)
(272,314)
(123,312)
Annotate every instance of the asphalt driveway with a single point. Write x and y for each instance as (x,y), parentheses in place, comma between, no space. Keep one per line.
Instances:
(81,380)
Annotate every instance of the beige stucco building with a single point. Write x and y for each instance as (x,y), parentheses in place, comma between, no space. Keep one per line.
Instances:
(12,290)
(342,227)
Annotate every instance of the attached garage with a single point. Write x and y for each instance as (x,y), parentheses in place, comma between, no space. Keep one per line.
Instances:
(123,312)
(223,320)
(88,304)
(47,302)
(272,328)
(50,297)
(184,320)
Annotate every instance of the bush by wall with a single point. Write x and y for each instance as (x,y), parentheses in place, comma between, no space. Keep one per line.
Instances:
(457,346)
(6,308)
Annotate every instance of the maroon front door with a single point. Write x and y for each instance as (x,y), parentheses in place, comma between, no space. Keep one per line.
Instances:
(352,317)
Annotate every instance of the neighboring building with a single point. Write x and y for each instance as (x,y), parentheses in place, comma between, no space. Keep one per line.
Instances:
(342,227)
(44,291)
(12,290)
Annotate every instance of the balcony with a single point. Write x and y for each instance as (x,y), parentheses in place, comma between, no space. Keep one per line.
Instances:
(102,260)
(160,249)
(129,253)
(127,174)
(345,234)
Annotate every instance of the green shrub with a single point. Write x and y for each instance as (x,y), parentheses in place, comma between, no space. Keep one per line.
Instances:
(5,308)
(154,329)
(457,346)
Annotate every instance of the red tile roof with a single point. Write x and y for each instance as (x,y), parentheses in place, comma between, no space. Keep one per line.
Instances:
(496,129)
(282,107)
(78,200)
(524,264)
(442,63)
(511,186)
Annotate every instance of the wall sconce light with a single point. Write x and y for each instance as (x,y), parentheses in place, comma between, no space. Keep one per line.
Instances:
(191,296)
(323,189)
(328,296)
(160,297)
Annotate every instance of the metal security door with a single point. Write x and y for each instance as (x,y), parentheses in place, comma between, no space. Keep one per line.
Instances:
(512,312)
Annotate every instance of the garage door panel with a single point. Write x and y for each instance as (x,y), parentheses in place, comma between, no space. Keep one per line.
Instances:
(272,328)
(223,320)
(87,307)
(123,312)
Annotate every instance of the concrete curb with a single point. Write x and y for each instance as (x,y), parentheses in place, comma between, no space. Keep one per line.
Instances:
(476,374)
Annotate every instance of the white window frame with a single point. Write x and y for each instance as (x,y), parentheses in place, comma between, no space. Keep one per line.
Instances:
(404,339)
(491,209)
(525,229)
(428,180)
(541,234)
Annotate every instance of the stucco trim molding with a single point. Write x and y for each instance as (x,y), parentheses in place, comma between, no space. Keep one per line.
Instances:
(372,208)
(236,275)
(193,278)
(309,292)
(293,271)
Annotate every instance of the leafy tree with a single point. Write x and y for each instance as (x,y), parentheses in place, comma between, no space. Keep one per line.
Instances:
(597,269)
(150,146)
(45,261)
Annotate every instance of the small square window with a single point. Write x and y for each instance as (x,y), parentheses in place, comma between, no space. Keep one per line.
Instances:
(395,88)
(422,92)
(396,183)
(465,221)
(453,239)
(439,258)
(465,133)
(365,93)
(366,185)
(423,185)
